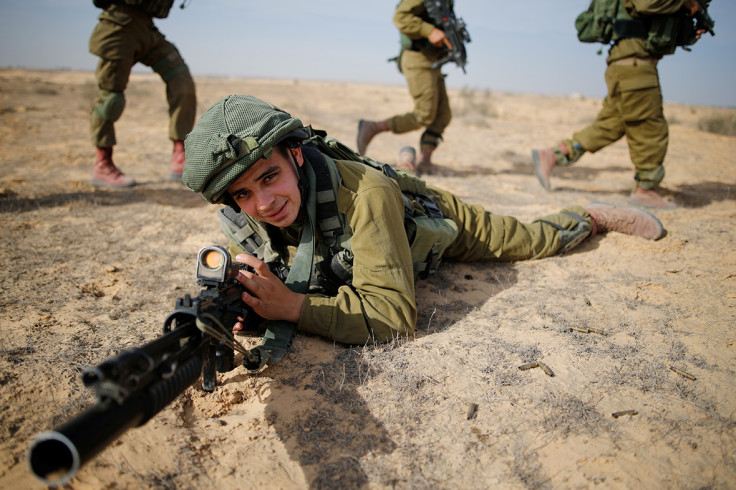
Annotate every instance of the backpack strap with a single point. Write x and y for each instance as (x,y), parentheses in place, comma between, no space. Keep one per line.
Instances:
(237,229)
(248,234)
(328,216)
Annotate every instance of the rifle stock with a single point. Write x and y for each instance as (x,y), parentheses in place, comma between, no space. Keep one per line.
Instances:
(135,385)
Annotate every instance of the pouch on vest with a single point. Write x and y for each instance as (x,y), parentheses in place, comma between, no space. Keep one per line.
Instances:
(606,21)
(664,33)
(404,43)
(595,25)
(429,233)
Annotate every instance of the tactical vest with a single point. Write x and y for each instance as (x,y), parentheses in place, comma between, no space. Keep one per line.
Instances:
(607,21)
(429,232)
(155,8)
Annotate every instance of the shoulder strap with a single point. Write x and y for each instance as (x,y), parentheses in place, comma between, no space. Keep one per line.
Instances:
(237,229)
(328,216)
(248,234)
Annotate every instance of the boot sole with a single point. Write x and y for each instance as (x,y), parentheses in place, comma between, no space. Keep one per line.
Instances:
(651,215)
(361,151)
(537,165)
(101,183)
(641,204)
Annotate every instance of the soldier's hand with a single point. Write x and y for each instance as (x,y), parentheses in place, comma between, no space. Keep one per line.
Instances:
(266,294)
(438,38)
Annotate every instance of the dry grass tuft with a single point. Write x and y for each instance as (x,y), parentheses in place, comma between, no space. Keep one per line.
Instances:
(724,123)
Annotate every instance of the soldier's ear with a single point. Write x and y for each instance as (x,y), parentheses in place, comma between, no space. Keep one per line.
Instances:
(298,156)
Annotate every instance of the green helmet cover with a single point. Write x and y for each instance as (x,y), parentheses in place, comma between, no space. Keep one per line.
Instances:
(229,138)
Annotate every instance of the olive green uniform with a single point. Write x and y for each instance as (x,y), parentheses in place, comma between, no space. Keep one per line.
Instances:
(380,304)
(633,105)
(123,37)
(426,85)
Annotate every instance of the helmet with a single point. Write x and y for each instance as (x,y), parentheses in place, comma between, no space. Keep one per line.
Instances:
(229,138)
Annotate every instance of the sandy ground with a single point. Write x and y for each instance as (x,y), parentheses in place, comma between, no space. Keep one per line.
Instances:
(87,272)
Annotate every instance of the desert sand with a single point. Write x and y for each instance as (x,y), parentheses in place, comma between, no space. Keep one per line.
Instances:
(87,272)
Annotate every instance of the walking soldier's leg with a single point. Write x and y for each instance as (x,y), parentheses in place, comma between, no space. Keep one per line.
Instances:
(647,132)
(423,87)
(165,60)
(112,79)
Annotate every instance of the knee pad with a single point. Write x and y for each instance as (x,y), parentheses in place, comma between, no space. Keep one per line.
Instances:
(110,105)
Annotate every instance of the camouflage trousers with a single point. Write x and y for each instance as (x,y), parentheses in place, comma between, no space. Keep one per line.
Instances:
(632,108)
(122,38)
(484,236)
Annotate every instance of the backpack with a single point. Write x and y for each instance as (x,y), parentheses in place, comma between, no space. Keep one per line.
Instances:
(595,25)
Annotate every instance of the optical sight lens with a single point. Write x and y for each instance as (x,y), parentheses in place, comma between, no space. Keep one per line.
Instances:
(212,259)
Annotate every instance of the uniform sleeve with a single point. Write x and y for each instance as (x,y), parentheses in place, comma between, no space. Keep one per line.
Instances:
(407,19)
(380,305)
(657,7)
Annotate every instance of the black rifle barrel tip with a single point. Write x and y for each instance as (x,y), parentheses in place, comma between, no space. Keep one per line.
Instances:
(53,458)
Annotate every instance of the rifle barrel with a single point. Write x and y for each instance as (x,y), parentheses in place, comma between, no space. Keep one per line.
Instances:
(54,457)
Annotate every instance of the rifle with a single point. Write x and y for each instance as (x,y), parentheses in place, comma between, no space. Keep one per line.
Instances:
(139,382)
(701,21)
(444,17)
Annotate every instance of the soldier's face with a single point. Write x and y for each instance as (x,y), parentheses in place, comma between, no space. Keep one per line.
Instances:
(269,190)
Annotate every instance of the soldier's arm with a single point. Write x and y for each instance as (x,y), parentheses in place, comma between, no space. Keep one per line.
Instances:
(380,305)
(407,19)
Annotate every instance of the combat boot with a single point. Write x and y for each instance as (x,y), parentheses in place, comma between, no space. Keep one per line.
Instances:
(650,198)
(407,159)
(105,173)
(631,221)
(425,165)
(544,161)
(367,130)
(177,160)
